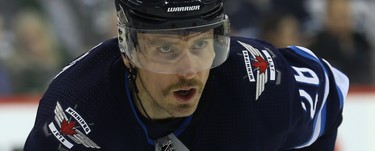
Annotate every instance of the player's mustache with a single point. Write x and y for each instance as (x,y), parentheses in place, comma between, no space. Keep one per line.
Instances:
(183,83)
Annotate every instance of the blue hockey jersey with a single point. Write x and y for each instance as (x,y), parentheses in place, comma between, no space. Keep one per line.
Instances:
(260,99)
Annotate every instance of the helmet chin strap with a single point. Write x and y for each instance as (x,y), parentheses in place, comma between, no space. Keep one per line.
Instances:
(132,77)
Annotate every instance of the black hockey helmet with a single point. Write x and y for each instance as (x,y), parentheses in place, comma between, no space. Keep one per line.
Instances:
(172,17)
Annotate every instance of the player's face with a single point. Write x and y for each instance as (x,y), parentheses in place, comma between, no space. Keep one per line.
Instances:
(176,95)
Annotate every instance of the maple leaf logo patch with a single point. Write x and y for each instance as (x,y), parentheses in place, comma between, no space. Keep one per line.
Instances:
(260,64)
(67,128)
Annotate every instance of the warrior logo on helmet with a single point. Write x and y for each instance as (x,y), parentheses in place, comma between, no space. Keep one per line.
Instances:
(183,9)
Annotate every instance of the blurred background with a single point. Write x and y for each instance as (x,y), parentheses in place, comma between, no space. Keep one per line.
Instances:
(39,37)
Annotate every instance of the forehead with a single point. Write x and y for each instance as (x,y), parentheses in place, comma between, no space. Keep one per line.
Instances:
(176,35)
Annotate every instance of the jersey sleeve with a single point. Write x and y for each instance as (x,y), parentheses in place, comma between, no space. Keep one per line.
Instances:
(318,110)
(72,112)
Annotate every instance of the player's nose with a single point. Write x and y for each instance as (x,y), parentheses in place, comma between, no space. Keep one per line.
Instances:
(187,67)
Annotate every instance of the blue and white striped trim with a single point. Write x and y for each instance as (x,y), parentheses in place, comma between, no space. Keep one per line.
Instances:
(342,83)
(320,120)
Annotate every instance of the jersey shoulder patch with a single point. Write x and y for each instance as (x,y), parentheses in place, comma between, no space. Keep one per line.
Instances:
(260,66)
(69,128)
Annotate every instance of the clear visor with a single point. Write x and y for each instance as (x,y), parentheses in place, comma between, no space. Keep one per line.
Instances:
(177,51)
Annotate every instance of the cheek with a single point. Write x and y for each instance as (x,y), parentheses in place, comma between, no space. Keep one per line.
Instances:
(155,83)
(204,76)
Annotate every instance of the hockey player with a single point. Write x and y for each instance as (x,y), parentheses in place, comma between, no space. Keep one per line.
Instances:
(175,80)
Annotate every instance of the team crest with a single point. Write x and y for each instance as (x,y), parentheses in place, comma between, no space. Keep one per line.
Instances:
(70,131)
(259,66)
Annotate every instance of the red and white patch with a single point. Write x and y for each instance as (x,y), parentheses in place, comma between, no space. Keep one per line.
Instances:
(260,67)
(68,130)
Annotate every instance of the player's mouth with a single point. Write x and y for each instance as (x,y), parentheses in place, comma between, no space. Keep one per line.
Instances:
(185,95)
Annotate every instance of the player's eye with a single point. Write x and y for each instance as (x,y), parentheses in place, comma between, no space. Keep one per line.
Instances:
(165,48)
(200,44)
(165,52)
